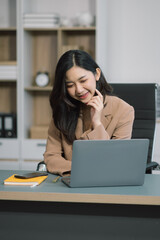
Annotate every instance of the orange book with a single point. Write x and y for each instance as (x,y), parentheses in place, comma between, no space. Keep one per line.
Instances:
(12,180)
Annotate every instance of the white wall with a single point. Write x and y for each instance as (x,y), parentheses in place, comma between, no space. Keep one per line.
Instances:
(128,49)
(128,44)
(66,8)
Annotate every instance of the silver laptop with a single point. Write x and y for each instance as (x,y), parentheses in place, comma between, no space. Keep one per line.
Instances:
(108,163)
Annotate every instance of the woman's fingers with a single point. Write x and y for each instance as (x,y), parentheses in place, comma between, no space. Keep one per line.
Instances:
(96,101)
(96,104)
(99,94)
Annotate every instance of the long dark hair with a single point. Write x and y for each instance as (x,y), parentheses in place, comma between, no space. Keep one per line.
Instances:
(65,110)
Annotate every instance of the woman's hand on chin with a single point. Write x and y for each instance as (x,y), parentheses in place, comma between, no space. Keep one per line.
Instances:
(96,104)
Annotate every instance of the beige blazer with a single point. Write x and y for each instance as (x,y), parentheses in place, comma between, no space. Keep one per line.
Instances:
(117,121)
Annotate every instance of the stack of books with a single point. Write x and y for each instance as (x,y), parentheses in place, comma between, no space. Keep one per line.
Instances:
(41,20)
(8,72)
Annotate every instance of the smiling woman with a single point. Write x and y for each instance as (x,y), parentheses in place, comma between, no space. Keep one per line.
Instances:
(83,108)
(81,83)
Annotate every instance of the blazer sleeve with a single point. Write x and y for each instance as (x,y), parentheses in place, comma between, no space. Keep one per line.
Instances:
(118,127)
(56,164)
(124,126)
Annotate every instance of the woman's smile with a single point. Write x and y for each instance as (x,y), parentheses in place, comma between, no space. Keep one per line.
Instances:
(84,95)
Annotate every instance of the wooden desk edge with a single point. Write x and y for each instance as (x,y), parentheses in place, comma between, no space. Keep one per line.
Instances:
(80,198)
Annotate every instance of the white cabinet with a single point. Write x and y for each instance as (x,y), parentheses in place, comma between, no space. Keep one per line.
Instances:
(41,48)
(33,149)
(9,148)
(32,153)
(9,154)
(32,49)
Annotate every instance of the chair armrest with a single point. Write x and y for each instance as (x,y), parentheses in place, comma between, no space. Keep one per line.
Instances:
(41,167)
(151,166)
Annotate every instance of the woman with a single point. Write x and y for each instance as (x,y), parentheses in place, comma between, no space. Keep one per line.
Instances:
(83,108)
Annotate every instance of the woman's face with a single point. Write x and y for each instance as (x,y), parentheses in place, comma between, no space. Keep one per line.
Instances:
(81,83)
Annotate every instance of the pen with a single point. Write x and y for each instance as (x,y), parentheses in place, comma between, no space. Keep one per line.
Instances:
(56,179)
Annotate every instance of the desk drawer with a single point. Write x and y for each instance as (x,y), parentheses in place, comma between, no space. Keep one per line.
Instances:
(9,149)
(33,149)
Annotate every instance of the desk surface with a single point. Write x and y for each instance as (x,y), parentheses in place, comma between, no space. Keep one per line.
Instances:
(148,194)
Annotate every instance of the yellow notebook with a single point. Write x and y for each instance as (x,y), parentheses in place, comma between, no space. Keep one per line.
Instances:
(12,180)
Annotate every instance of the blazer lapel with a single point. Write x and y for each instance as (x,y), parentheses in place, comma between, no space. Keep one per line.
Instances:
(78,133)
(106,113)
(79,128)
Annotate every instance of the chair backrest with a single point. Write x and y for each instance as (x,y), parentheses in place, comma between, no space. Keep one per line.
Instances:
(142,96)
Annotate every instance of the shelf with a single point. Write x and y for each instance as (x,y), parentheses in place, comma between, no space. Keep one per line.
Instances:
(8,80)
(30,50)
(78,38)
(8,63)
(42,89)
(43,47)
(8,96)
(91,28)
(41,51)
(9,29)
(41,29)
(8,45)
(79,28)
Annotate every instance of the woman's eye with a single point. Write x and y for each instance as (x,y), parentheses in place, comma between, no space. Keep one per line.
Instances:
(69,86)
(82,81)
